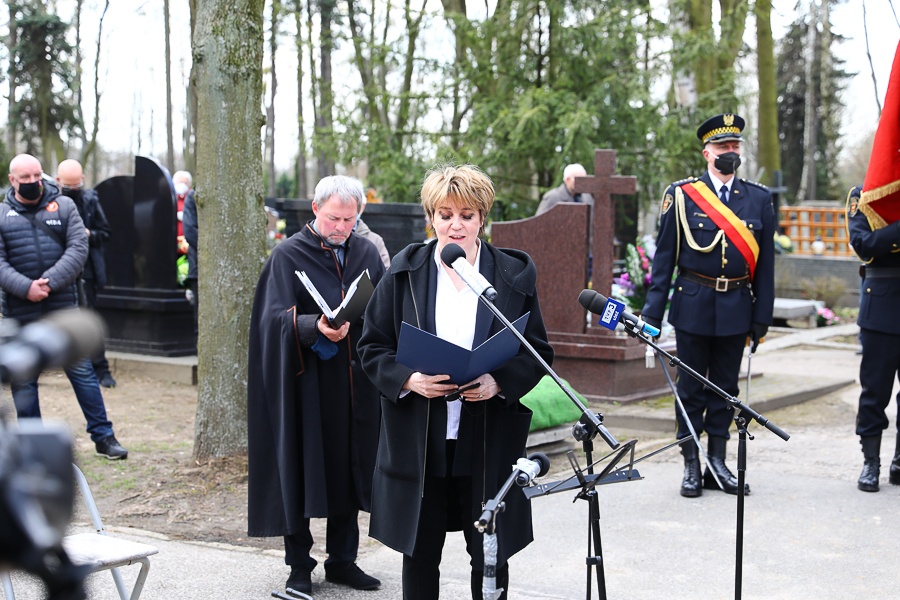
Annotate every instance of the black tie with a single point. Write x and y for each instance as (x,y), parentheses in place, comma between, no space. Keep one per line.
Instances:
(723,194)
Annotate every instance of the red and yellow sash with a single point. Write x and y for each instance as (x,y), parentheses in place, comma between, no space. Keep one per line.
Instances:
(735,229)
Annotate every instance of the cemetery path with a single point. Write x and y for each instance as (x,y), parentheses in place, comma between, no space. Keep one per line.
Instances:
(161,489)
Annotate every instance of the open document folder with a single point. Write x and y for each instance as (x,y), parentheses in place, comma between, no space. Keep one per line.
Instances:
(429,354)
(355,300)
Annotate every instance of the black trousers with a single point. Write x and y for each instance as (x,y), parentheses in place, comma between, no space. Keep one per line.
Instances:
(341,543)
(719,360)
(880,364)
(446,500)
(99,361)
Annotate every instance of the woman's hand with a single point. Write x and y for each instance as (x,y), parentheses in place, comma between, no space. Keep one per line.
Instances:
(429,386)
(487,388)
(335,335)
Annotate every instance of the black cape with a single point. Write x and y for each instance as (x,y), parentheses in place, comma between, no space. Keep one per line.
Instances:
(312,423)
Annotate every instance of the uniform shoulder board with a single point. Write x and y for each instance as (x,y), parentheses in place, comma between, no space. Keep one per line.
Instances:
(686,180)
(756,184)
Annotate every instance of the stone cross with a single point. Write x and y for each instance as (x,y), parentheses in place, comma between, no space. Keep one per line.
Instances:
(602,185)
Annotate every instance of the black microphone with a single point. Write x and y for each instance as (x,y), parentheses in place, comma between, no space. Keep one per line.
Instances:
(455,257)
(530,468)
(613,313)
(54,341)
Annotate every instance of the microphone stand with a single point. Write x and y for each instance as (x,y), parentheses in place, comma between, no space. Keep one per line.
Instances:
(585,430)
(487,524)
(741,409)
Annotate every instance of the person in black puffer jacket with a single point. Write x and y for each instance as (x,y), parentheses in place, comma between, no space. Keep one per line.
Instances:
(43,248)
(70,177)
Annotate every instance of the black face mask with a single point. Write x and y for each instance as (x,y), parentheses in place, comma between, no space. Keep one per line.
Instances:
(31,191)
(73,193)
(727,163)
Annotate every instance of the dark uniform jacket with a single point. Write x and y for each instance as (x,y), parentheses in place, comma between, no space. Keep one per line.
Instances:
(492,434)
(312,423)
(94,218)
(189,226)
(699,309)
(29,252)
(879,249)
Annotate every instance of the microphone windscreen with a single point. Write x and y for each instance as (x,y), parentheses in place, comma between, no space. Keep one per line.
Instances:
(83,328)
(586,297)
(451,252)
(541,459)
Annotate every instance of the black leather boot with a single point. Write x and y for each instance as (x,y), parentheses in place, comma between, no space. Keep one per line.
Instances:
(895,464)
(868,479)
(717,463)
(690,485)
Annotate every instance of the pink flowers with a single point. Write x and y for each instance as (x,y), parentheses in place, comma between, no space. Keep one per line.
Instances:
(632,285)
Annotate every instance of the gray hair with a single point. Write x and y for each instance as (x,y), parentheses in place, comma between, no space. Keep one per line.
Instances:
(574,169)
(347,189)
(183,175)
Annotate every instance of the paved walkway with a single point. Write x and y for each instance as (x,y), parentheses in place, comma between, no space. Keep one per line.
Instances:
(808,533)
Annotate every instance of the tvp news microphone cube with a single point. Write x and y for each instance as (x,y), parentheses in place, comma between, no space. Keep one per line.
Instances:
(612,311)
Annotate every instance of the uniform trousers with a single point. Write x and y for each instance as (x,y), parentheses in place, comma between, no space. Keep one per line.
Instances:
(879,365)
(718,358)
(446,500)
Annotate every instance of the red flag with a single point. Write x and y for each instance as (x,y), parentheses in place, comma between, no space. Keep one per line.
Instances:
(880,200)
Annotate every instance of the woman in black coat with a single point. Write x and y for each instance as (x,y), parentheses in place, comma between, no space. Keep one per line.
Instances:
(439,461)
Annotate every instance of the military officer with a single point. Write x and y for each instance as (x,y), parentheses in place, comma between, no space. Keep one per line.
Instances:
(879,328)
(718,231)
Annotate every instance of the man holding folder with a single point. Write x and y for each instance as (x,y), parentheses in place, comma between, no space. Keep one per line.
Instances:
(312,413)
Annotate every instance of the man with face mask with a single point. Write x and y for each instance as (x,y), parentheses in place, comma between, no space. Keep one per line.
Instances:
(43,249)
(70,177)
(718,231)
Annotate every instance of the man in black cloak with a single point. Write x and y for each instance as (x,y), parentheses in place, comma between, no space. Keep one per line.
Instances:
(313,416)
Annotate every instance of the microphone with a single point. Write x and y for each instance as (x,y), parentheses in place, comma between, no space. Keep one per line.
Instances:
(54,341)
(530,468)
(613,311)
(455,257)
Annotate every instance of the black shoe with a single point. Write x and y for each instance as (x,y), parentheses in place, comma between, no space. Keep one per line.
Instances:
(690,484)
(107,380)
(299,584)
(894,477)
(716,462)
(351,576)
(868,478)
(110,448)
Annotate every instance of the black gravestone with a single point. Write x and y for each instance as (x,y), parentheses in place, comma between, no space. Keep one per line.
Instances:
(146,312)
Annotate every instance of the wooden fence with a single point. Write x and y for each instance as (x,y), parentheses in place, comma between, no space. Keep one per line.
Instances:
(804,224)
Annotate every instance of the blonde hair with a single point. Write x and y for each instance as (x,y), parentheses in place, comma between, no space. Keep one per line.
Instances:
(465,185)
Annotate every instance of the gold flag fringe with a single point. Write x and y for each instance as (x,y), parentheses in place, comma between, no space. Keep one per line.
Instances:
(876,221)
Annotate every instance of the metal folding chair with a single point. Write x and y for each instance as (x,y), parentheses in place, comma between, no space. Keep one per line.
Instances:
(100,551)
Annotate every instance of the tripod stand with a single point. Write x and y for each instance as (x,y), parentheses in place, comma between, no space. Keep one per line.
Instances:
(741,409)
(587,484)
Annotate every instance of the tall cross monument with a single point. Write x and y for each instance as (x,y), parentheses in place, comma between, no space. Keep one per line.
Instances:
(602,185)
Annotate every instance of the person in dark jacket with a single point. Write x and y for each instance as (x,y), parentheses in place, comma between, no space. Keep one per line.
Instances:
(312,414)
(718,230)
(187,221)
(70,177)
(438,460)
(43,249)
(566,190)
(879,329)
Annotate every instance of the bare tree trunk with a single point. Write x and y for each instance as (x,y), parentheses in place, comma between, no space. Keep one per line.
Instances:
(89,150)
(769,150)
(170,143)
(11,42)
(270,110)
(325,122)
(869,56)
(190,124)
(227,50)
(300,169)
(807,188)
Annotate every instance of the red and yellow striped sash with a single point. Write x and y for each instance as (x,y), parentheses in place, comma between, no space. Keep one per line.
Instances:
(735,229)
